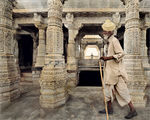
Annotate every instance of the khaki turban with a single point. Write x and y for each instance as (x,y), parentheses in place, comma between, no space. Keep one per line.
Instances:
(108,26)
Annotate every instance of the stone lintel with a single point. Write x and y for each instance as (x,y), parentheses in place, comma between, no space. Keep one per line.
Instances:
(78,10)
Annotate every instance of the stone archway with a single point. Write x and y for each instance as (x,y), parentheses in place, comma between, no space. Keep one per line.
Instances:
(91,52)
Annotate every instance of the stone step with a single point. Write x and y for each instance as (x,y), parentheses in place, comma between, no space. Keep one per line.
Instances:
(22,79)
(26,83)
(26,74)
(26,78)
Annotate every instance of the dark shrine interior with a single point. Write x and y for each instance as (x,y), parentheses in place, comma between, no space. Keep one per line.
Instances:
(25,52)
(89,78)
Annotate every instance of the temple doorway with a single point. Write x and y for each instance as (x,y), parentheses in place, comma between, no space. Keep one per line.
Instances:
(90,78)
(25,44)
(148,43)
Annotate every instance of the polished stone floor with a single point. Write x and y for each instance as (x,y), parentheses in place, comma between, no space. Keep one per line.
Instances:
(83,104)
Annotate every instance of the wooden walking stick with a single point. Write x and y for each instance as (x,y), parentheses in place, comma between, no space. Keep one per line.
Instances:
(100,66)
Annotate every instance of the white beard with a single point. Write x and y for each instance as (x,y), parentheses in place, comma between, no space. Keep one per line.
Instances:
(105,37)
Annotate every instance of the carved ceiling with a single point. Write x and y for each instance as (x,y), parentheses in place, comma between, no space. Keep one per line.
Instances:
(125,1)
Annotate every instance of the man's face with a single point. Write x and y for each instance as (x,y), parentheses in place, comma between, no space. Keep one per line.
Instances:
(108,33)
(105,34)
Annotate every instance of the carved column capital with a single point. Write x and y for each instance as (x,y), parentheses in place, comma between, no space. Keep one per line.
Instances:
(70,17)
(116,19)
(38,19)
(125,1)
(40,26)
(70,22)
(147,20)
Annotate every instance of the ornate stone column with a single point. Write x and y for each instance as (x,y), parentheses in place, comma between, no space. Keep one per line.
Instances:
(35,38)
(143,47)
(71,53)
(9,79)
(77,49)
(15,50)
(144,55)
(133,61)
(83,46)
(72,63)
(53,78)
(41,50)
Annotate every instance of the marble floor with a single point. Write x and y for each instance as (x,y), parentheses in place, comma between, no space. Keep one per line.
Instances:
(83,104)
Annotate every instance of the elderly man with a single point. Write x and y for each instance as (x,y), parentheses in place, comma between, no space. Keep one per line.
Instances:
(115,77)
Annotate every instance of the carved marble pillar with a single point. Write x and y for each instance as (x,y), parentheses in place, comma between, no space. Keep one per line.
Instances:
(143,49)
(53,77)
(35,38)
(72,64)
(15,50)
(144,55)
(77,49)
(83,46)
(41,50)
(9,79)
(71,53)
(133,61)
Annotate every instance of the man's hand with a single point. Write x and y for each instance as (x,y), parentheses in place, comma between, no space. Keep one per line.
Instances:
(107,58)
(103,58)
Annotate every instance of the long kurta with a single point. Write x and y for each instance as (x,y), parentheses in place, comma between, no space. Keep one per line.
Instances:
(115,76)
(114,68)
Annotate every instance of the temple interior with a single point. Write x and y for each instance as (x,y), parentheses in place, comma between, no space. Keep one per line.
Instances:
(50,51)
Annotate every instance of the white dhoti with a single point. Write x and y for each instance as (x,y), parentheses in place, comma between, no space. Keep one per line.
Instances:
(118,91)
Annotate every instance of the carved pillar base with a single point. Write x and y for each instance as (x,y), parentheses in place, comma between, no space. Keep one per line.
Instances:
(53,84)
(36,72)
(72,79)
(137,81)
(71,63)
(9,81)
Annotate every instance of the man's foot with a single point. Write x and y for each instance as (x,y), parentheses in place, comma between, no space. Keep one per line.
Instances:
(131,114)
(110,111)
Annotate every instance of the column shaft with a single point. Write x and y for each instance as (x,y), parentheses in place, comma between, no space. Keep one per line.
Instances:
(53,77)
(143,49)
(72,64)
(9,78)
(133,61)
(71,51)
(40,60)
